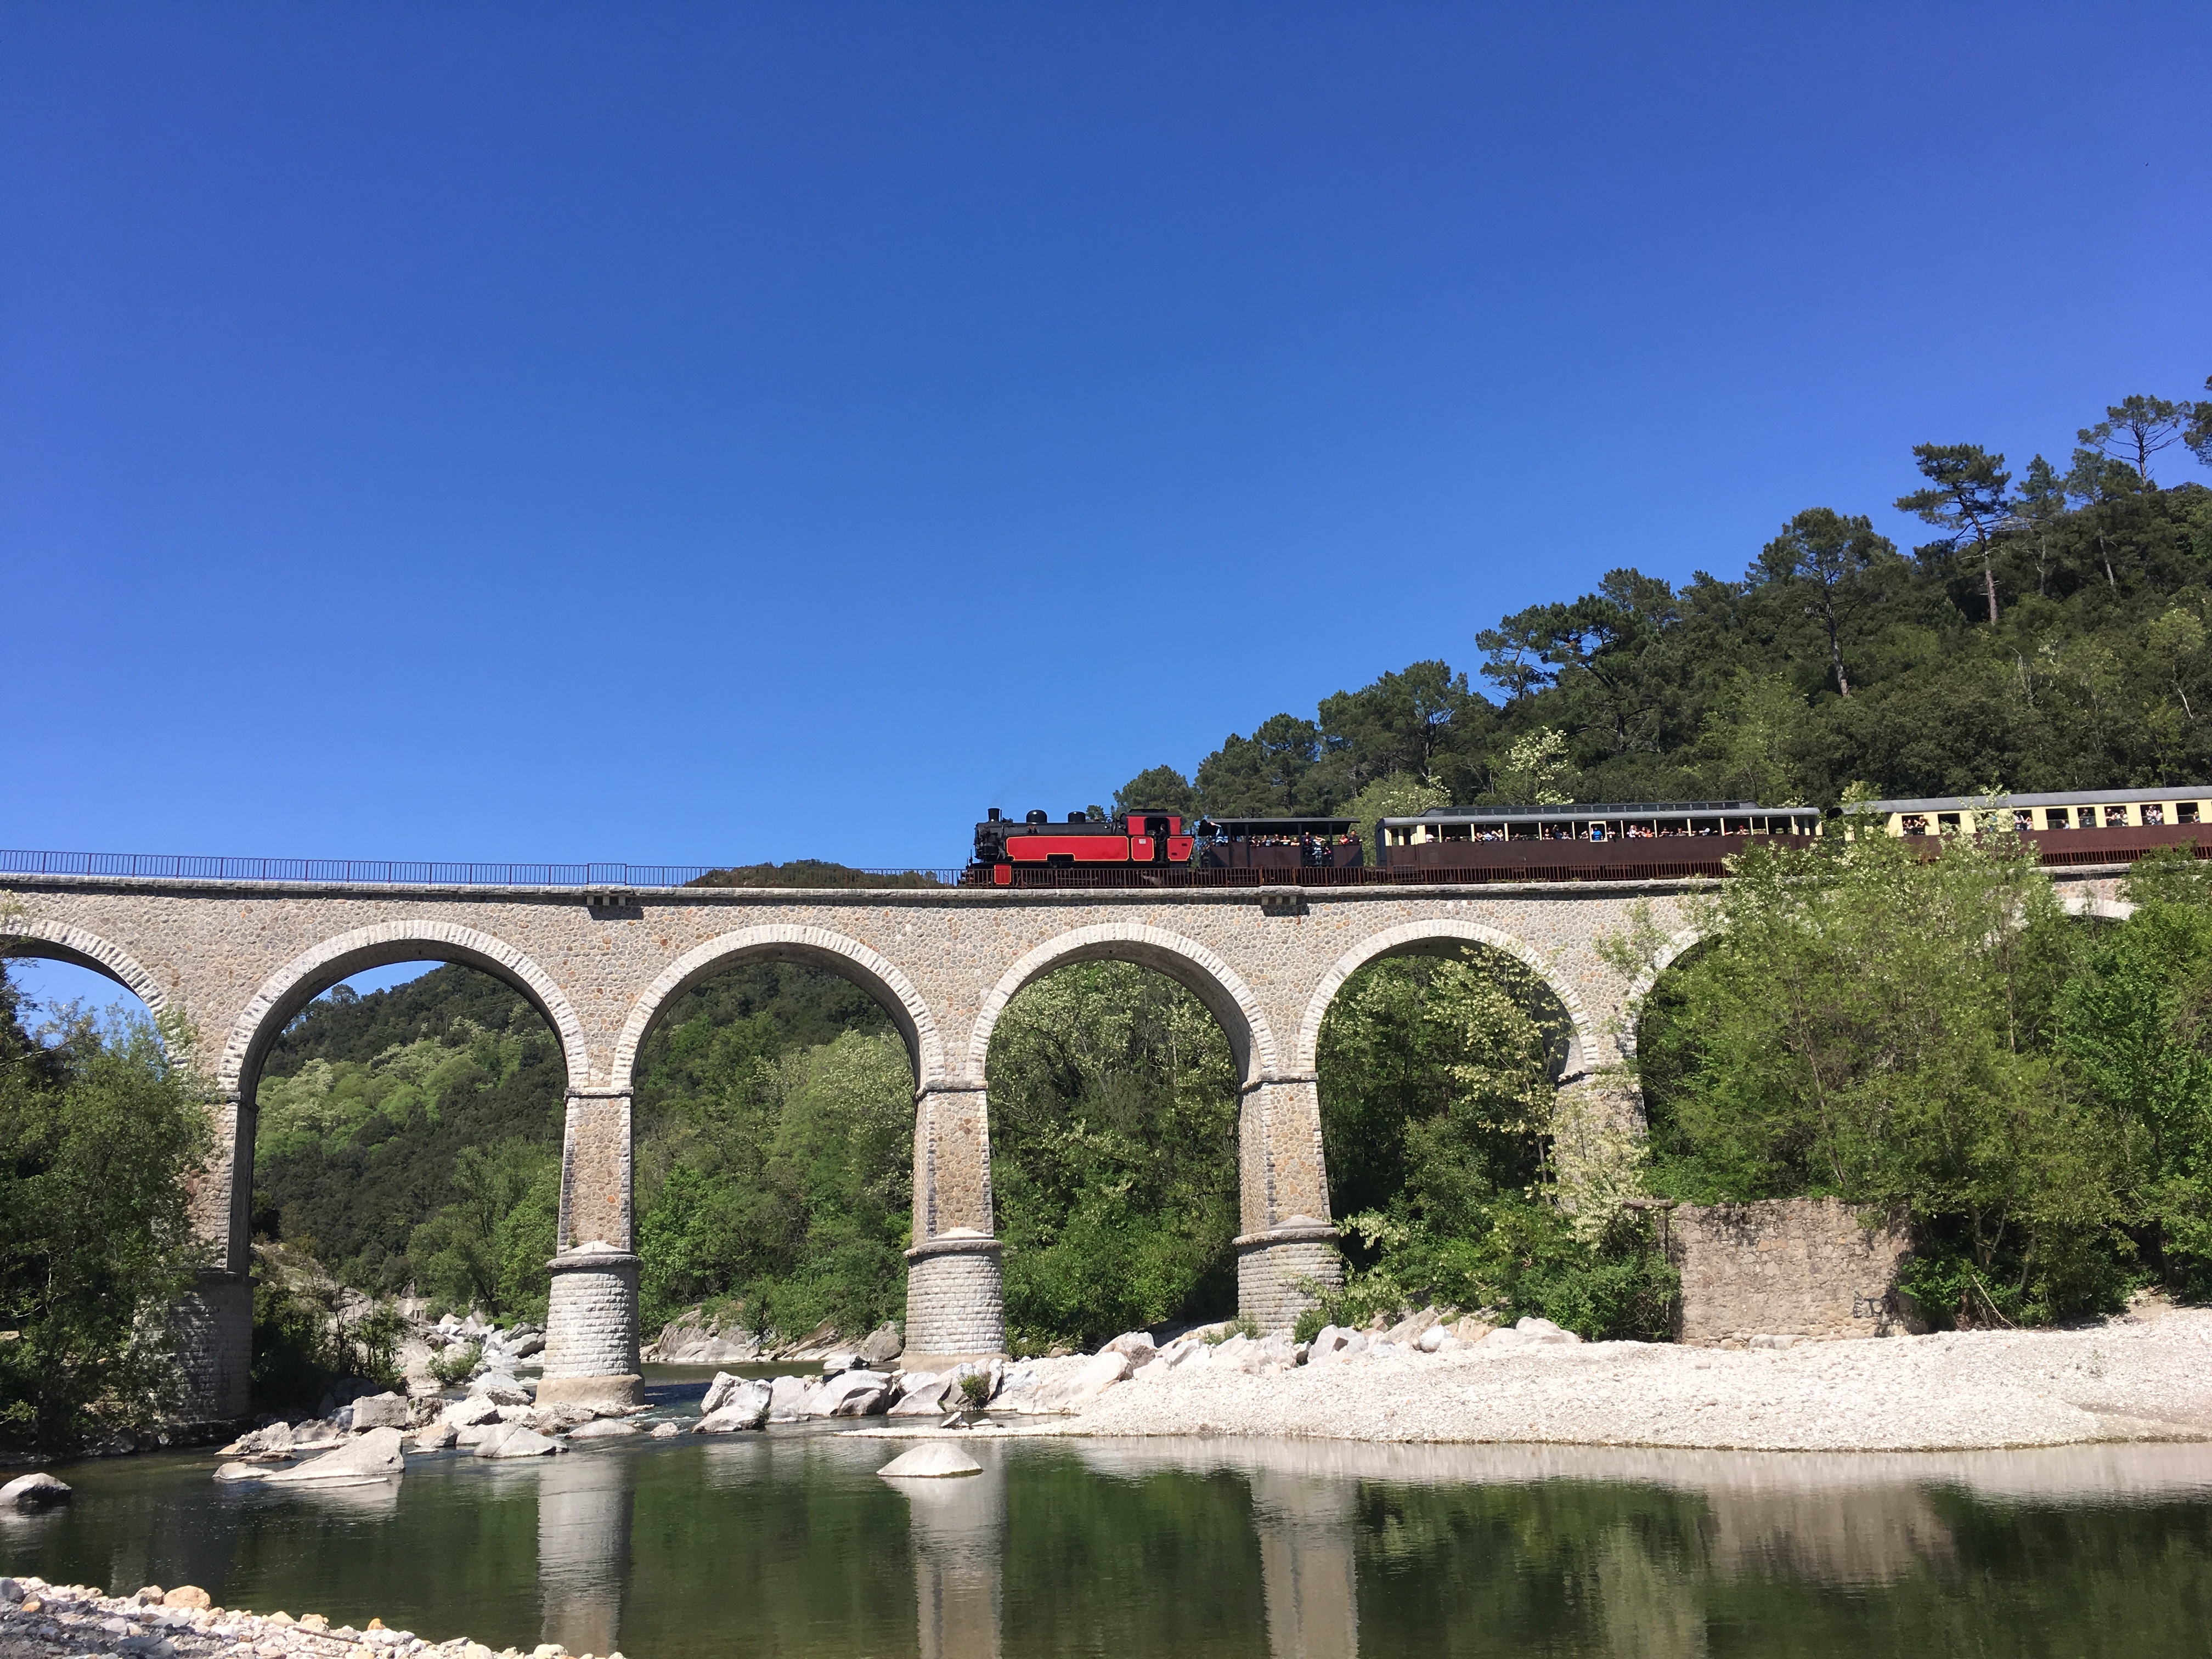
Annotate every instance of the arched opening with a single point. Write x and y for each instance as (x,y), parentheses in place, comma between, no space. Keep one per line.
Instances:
(1438,1063)
(403,1087)
(1449,1065)
(60,978)
(407,1138)
(774,1115)
(1114,1096)
(775,1073)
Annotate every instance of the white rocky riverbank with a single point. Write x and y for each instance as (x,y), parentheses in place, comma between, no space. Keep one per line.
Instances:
(39,1620)
(2146,1376)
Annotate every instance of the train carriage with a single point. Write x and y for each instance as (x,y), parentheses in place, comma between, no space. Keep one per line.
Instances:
(2082,826)
(1566,837)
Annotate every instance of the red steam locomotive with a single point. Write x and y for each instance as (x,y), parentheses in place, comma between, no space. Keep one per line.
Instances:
(1160,840)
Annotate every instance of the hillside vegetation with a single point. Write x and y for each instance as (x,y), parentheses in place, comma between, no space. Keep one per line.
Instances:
(2051,636)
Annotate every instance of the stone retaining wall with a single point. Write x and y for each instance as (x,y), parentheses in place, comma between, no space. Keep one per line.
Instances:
(1791,1267)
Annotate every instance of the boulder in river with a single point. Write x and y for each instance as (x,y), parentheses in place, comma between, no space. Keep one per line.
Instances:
(33,1492)
(375,1457)
(933,1460)
(882,1344)
(926,1394)
(382,1411)
(514,1440)
(721,1391)
(602,1428)
(745,1407)
(787,1398)
(853,1394)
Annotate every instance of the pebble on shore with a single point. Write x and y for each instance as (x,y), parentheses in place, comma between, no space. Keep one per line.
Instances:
(39,1620)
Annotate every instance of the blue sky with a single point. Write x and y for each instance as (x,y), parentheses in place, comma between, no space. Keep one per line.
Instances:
(727,433)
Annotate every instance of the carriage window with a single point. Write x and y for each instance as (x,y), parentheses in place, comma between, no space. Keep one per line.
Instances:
(2184,812)
(1946,821)
(1914,824)
(2115,817)
(2085,817)
(2153,812)
(2023,818)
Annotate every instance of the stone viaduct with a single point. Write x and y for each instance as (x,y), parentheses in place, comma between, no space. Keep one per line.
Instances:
(239,959)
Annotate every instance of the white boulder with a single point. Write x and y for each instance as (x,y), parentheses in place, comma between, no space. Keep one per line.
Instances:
(514,1440)
(33,1492)
(745,1407)
(602,1428)
(382,1411)
(933,1460)
(1072,1389)
(928,1393)
(470,1412)
(375,1457)
(1137,1345)
(787,1398)
(853,1393)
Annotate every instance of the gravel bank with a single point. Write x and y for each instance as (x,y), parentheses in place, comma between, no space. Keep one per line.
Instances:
(2131,1379)
(40,1620)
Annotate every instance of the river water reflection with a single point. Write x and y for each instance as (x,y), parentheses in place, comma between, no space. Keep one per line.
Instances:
(787,1544)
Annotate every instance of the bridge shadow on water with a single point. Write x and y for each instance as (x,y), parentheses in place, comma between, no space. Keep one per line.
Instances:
(787,1543)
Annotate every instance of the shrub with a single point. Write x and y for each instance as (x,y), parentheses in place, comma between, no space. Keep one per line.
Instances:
(98,1131)
(457,1363)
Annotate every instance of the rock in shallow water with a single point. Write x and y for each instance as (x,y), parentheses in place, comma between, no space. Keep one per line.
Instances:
(33,1492)
(602,1428)
(933,1460)
(513,1440)
(734,1402)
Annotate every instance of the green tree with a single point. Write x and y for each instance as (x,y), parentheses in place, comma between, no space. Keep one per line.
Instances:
(2136,1026)
(2199,436)
(1437,1097)
(488,1249)
(99,1131)
(1265,775)
(1817,1046)
(1113,1140)
(1966,495)
(2135,430)
(1825,557)
(1156,788)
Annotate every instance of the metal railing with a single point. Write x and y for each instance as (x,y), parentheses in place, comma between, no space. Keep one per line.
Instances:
(188,866)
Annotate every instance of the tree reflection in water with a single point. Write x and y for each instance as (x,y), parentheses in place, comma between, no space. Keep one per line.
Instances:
(787,1544)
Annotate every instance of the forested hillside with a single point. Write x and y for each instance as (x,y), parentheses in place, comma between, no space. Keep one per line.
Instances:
(2051,634)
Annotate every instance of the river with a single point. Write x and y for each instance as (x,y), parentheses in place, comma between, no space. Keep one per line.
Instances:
(786,1543)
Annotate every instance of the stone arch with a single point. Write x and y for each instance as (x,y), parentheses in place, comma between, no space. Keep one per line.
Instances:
(1439,930)
(1190,964)
(1670,951)
(59,942)
(291,987)
(817,947)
